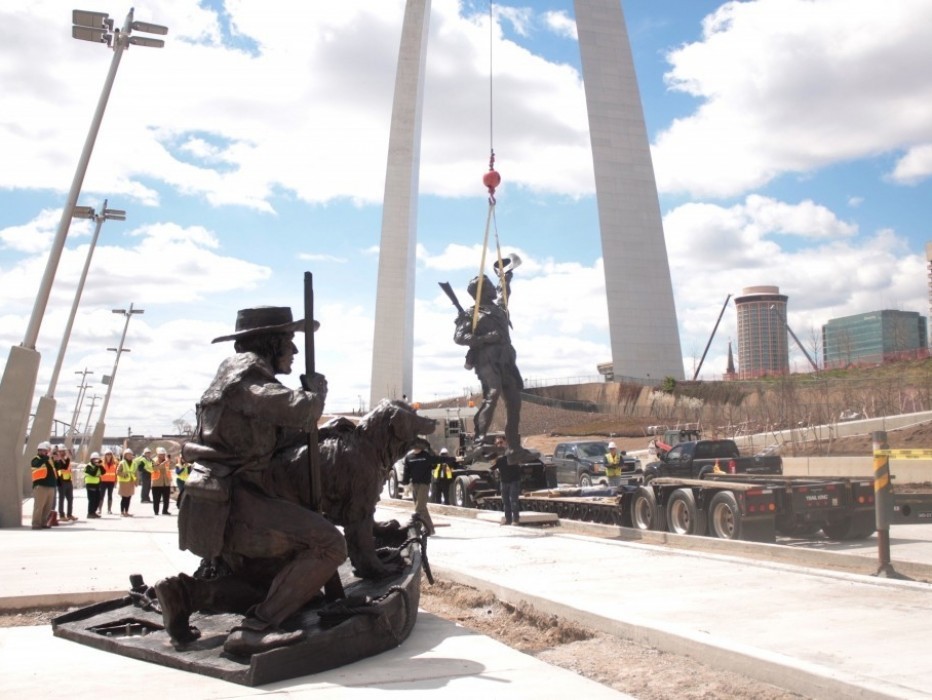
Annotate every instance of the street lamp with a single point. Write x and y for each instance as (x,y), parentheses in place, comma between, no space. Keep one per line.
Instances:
(22,365)
(45,411)
(98,437)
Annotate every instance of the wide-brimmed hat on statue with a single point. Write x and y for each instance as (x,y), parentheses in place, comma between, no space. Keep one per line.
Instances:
(264,319)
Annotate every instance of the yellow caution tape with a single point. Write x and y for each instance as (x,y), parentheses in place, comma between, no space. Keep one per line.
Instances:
(904,454)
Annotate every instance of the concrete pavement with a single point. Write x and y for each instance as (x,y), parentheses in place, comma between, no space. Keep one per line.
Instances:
(91,560)
(821,633)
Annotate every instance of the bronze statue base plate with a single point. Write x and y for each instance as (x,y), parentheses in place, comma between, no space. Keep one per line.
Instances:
(121,627)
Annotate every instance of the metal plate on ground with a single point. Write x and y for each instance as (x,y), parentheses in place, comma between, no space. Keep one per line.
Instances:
(121,627)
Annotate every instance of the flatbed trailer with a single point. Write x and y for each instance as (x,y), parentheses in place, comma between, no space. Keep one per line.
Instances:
(727,506)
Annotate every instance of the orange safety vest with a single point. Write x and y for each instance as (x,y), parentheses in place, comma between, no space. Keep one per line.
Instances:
(39,473)
(109,475)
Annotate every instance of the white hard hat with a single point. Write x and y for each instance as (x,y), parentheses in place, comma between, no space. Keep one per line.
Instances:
(161,451)
(95,455)
(612,446)
(108,451)
(44,446)
(60,448)
(128,451)
(147,451)
(444,451)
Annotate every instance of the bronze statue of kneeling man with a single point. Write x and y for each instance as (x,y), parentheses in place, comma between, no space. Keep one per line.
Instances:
(241,510)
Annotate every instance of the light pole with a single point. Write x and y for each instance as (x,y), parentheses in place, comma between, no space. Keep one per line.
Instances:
(98,437)
(73,426)
(22,365)
(45,411)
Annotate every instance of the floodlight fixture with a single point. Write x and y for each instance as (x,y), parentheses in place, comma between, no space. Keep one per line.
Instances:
(146,41)
(83,212)
(115,214)
(97,36)
(149,28)
(93,20)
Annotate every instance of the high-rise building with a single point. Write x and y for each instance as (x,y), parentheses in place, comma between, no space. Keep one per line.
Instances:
(645,338)
(874,337)
(762,332)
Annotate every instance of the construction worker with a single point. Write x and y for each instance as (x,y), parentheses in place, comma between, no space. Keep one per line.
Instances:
(614,460)
(107,480)
(161,480)
(92,473)
(182,469)
(126,478)
(44,485)
(143,464)
(417,468)
(442,477)
(65,484)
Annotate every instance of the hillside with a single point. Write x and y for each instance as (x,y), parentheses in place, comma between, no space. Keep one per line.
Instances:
(623,412)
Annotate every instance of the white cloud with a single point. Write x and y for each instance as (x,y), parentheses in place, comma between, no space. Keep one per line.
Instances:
(520,18)
(236,126)
(561,24)
(35,236)
(798,101)
(915,166)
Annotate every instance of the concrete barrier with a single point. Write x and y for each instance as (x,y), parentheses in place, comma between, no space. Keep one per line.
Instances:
(904,471)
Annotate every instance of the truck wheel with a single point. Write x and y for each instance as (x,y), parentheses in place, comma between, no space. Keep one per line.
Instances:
(461,495)
(683,516)
(725,516)
(585,481)
(645,513)
(393,485)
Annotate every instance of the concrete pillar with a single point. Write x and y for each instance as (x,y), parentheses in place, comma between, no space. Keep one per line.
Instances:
(19,381)
(393,341)
(641,313)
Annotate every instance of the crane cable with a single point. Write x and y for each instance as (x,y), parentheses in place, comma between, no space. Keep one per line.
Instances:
(491,180)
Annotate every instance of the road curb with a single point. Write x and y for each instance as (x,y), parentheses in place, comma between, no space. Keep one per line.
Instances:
(781,671)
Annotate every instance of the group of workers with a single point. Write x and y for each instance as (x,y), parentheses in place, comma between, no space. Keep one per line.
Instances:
(103,474)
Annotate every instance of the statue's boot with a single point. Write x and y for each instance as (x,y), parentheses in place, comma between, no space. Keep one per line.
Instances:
(177,597)
(253,636)
(180,596)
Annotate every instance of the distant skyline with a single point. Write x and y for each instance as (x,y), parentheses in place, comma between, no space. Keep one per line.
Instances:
(791,140)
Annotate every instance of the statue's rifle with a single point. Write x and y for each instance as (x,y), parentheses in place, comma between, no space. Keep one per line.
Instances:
(448,290)
(333,589)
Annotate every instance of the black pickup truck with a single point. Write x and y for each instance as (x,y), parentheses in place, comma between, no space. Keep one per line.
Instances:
(582,462)
(695,459)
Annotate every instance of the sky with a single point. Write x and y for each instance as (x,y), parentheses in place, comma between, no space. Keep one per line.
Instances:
(791,141)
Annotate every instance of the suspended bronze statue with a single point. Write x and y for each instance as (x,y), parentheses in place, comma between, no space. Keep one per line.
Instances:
(484,328)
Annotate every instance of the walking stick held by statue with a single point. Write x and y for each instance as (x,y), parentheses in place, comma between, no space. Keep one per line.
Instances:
(334,587)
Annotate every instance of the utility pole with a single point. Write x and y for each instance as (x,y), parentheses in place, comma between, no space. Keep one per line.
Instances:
(85,452)
(73,426)
(98,437)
